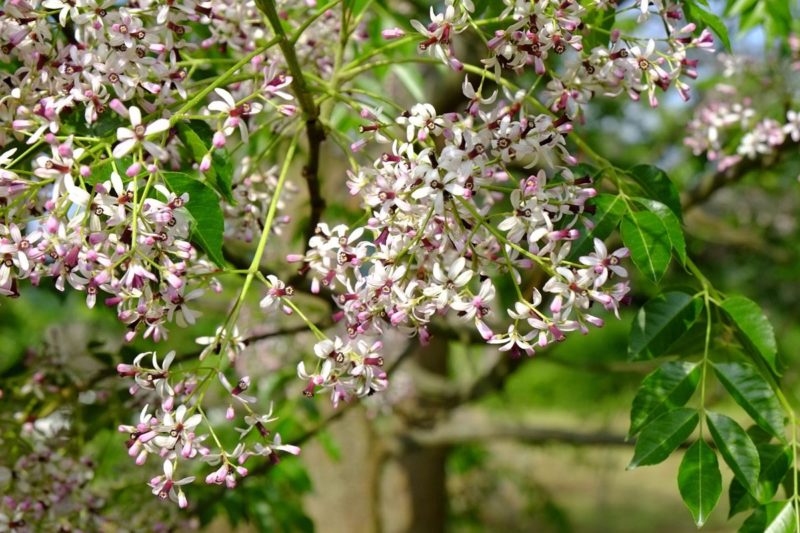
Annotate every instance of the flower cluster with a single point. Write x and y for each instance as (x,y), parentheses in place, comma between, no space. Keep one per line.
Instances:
(170,432)
(47,490)
(97,105)
(431,246)
(44,485)
(731,124)
(627,65)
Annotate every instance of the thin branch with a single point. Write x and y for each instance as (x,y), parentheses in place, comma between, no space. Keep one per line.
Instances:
(712,183)
(265,467)
(476,427)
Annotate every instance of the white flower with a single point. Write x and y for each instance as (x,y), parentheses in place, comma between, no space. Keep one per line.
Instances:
(445,286)
(166,487)
(792,126)
(234,114)
(138,134)
(175,430)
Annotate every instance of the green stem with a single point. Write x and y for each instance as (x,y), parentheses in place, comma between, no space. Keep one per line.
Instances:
(221,80)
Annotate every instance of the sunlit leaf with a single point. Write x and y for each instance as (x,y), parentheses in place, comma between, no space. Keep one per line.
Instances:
(754,328)
(699,481)
(736,447)
(752,392)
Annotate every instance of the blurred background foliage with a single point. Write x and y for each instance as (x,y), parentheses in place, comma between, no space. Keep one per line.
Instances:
(540,447)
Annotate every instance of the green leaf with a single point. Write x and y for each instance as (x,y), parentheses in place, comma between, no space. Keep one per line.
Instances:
(667,387)
(752,392)
(754,328)
(203,206)
(222,166)
(701,17)
(736,448)
(189,136)
(779,22)
(197,136)
(101,173)
(662,436)
(661,322)
(699,481)
(671,223)
(775,517)
(737,7)
(647,239)
(609,209)
(657,186)
(412,80)
(775,462)
(739,500)
(603,20)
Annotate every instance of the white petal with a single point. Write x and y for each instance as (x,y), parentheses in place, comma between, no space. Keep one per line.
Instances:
(135,115)
(158,126)
(116,182)
(219,107)
(125,133)
(124,148)
(225,95)
(193,421)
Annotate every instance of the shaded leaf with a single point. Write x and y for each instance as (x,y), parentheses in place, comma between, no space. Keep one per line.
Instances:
(752,392)
(739,499)
(775,462)
(657,186)
(736,448)
(699,481)
(661,322)
(609,211)
(101,173)
(197,136)
(662,436)
(669,386)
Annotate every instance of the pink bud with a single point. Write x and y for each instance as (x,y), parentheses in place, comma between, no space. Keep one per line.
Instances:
(358,145)
(205,163)
(133,170)
(118,107)
(219,140)
(168,404)
(392,33)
